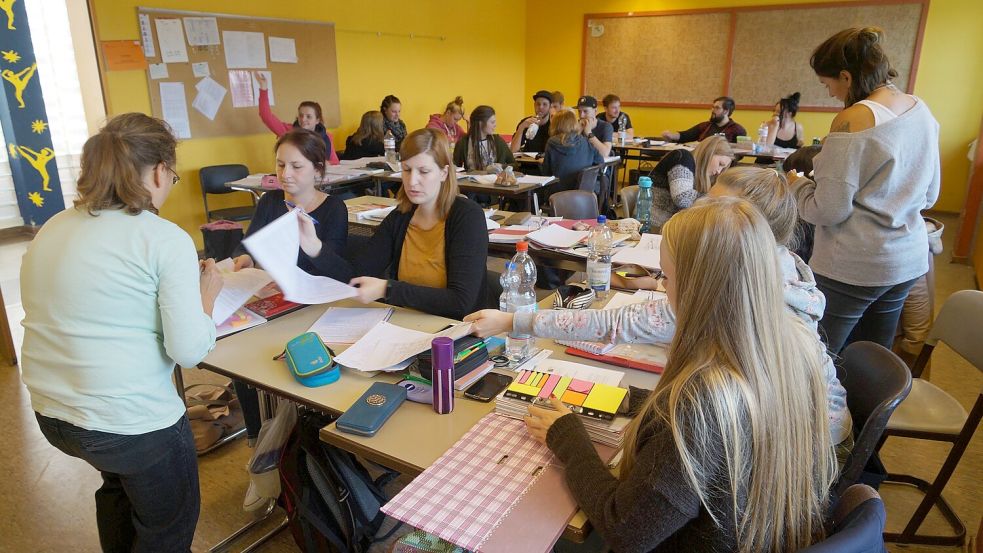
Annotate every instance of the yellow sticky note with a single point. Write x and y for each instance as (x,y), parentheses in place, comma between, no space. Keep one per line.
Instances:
(524,389)
(605,398)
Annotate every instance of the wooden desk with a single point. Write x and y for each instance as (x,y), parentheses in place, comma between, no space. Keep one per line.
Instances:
(522,191)
(331,183)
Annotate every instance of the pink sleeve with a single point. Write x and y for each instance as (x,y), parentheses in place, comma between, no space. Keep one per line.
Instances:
(333,155)
(278,127)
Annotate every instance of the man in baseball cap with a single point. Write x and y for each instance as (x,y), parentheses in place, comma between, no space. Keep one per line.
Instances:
(599,132)
(532,132)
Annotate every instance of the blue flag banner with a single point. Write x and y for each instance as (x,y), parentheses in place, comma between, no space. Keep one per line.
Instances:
(25,121)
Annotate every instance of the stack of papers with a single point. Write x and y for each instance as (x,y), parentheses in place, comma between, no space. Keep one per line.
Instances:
(645,253)
(555,236)
(345,325)
(362,161)
(508,235)
(387,347)
(237,288)
(351,171)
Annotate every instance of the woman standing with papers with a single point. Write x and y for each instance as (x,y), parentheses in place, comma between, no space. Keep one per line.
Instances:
(727,453)
(430,252)
(114,297)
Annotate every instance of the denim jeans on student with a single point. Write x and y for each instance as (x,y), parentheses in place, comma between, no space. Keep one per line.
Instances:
(860,313)
(149,499)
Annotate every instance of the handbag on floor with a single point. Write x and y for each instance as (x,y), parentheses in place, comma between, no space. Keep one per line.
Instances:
(213,412)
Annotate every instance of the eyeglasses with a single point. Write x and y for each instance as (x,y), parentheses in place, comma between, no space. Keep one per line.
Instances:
(176,177)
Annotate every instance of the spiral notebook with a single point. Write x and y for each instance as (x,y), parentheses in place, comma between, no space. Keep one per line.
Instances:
(597,348)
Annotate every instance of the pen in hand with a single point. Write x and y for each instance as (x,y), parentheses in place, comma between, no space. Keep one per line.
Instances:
(292,205)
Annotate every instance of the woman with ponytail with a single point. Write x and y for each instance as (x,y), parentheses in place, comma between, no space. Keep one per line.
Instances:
(449,122)
(114,297)
(878,169)
(783,130)
(731,452)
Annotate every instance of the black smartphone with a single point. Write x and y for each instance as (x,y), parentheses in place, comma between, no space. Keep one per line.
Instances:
(488,387)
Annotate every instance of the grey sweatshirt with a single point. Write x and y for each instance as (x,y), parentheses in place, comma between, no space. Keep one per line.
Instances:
(653,322)
(866,201)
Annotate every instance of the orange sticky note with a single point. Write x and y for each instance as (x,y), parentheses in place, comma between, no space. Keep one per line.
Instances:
(123,55)
(573,398)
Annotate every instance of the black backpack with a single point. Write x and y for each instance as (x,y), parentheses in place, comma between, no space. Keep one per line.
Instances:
(332,502)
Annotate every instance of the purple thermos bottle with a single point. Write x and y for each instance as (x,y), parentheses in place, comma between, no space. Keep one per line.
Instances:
(443,374)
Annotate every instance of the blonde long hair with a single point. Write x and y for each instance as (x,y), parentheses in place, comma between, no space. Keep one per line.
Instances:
(769,191)
(703,155)
(745,372)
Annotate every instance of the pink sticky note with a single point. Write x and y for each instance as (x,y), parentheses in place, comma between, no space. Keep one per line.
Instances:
(549,386)
(523,376)
(580,386)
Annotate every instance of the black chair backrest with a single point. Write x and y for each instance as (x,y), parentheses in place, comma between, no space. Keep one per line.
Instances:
(876,381)
(587,178)
(861,531)
(214,177)
(574,204)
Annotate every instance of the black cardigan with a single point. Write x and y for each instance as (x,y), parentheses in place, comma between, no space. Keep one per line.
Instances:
(465,254)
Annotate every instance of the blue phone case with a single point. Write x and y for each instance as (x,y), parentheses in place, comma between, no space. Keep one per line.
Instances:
(367,415)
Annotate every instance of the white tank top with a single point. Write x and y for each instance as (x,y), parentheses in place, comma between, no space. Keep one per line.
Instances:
(881,112)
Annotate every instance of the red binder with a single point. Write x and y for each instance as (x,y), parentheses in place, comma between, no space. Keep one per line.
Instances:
(618,361)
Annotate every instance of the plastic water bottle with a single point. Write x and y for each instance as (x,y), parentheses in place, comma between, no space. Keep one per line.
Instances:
(643,205)
(505,279)
(521,298)
(389,144)
(599,258)
(442,349)
(762,143)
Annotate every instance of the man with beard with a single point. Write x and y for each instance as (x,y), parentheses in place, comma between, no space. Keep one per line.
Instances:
(720,122)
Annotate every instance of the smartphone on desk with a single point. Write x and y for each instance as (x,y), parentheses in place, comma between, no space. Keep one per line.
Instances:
(489,386)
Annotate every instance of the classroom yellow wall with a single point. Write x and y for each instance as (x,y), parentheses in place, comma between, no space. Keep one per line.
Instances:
(950,72)
(481,59)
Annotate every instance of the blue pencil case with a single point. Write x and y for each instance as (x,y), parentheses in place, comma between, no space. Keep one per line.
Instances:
(310,361)
(367,415)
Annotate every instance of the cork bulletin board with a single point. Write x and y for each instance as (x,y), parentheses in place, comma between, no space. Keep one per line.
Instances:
(754,54)
(314,76)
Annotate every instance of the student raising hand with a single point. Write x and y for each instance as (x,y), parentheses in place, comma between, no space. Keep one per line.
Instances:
(260,79)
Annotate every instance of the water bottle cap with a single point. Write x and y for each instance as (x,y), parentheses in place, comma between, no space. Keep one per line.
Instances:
(442,349)
(602,219)
(645,182)
(522,246)
(509,265)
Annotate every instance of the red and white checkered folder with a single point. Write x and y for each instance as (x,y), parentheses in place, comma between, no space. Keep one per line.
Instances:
(496,490)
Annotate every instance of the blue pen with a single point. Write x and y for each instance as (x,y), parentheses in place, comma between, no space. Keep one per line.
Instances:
(292,205)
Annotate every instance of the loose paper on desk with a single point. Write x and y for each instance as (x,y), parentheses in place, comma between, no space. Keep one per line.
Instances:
(283,50)
(237,288)
(533,179)
(345,325)
(275,246)
(388,345)
(244,50)
(241,86)
(269,87)
(174,108)
(147,37)
(555,236)
(580,371)
(170,36)
(645,253)
(200,69)
(158,70)
(209,98)
(376,214)
(202,31)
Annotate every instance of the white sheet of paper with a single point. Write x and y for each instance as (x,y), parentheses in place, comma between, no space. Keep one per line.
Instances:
(269,87)
(533,179)
(376,214)
(147,37)
(244,50)
(241,86)
(621,299)
(649,295)
(201,31)
(170,36)
(580,371)
(240,320)
(645,253)
(275,246)
(209,97)
(556,236)
(345,325)
(237,288)
(158,70)
(283,50)
(200,69)
(174,108)
(387,345)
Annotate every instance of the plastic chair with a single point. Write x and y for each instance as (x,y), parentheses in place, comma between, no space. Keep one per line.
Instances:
(876,381)
(213,179)
(629,198)
(930,413)
(574,204)
(858,523)
(587,179)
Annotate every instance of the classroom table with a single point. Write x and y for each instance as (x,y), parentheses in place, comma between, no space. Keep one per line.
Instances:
(331,183)
(535,160)
(523,191)
(415,436)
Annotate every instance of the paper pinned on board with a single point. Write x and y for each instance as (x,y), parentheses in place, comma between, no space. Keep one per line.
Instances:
(200,69)
(170,36)
(275,246)
(283,50)
(244,50)
(269,87)
(201,31)
(388,345)
(174,108)
(158,70)
(241,87)
(209,97)
(147,37)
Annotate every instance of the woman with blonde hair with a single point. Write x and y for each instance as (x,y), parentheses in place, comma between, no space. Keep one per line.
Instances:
(449,122)
(430,252)
(366,141)
(731,452)
(681,177)
(567,151)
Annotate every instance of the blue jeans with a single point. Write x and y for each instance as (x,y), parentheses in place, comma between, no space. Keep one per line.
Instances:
(149,499)
(860,313)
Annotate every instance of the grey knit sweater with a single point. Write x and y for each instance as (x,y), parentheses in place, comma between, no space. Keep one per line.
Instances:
(870,187)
